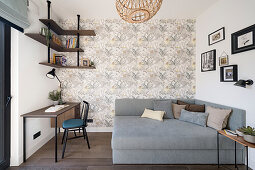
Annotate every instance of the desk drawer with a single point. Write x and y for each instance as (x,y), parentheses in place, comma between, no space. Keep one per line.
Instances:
(70,114)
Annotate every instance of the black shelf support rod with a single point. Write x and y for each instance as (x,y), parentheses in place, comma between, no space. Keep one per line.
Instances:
(48,2)
(78,41)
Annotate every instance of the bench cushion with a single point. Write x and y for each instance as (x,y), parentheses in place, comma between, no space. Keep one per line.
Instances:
(134,132)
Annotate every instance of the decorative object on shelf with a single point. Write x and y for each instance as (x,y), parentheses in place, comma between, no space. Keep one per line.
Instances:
(243,40)
(91,64)
(216,36)
(208,61)
(223,59)
(47,34)
(64,61)
(85,62)
(229,73)
(51,74)
(244,83)
(56,40)
(249,134)
(239,132)
(55,96)
(134,11)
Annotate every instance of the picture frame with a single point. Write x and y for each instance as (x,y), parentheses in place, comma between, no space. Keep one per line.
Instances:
(58,60)
(208,61)
(223,59)
(229,73)
(243,40)
(216,36)
(85,62)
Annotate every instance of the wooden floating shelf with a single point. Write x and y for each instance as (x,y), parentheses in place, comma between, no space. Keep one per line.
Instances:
(40,38)
(58,30)
(71,67)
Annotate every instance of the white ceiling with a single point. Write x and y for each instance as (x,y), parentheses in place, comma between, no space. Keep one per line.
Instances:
(65,9)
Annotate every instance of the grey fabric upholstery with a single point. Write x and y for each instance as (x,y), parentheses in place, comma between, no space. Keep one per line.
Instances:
(134,132)
(132,107)
(164,105)
(197,118)
(236,119)
(176,156)
(137,140)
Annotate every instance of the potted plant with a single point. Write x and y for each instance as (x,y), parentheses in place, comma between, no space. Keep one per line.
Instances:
(249,134)
(54,96)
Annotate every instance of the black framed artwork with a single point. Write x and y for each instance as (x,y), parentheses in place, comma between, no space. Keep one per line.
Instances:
(229,73)
(243,40)
(216,36)
(208,61)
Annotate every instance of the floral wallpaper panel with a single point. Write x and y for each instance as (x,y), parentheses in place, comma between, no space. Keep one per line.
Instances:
(155,59)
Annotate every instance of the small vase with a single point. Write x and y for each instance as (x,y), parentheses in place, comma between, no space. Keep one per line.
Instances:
(249,138)
(55,103)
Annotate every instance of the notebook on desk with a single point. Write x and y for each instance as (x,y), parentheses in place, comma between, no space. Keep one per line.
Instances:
(56,108)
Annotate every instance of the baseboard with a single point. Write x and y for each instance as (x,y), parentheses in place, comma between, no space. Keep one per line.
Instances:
(99,129)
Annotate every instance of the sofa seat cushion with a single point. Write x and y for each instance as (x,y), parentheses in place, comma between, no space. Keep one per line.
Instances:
(133,132)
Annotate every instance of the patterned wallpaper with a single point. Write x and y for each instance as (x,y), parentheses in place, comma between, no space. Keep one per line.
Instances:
(155,59)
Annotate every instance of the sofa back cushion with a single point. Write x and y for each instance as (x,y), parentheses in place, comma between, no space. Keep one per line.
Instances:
(164,105)
(236,119)
(132,107)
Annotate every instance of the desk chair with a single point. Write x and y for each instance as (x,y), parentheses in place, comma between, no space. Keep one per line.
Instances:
(76,124)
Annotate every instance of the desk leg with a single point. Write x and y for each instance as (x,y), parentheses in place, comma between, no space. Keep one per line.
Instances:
(235,155)
(247,158)
(218,149)
(56,139)
(24,139)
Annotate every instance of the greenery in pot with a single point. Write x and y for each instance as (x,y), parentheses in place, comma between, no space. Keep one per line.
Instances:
(249,134)
(54,95)
(48,36)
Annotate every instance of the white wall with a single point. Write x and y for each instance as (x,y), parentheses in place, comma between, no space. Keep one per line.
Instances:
(234,15)
(30,87)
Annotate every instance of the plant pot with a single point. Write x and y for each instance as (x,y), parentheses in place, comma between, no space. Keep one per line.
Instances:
(249,138)
(239,133)
(55,103)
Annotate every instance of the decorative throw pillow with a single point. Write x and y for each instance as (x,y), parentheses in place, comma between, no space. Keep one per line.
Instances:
(177,110)
(218,118)
(197,118)
(164,105)
(192,107)
(157,115)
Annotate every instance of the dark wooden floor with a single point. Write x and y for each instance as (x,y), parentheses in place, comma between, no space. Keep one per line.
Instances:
(99,157)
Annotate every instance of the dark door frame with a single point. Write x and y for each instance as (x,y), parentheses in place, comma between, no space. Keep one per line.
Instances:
(5,92)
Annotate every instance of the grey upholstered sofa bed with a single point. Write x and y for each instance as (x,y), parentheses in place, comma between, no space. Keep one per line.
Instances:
(138,140)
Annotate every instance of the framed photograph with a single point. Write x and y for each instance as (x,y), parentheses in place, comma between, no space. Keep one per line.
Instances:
(243,40)
(208,61)
(229,73)
(58,60)
(223,59)
(85,62)
(216,36)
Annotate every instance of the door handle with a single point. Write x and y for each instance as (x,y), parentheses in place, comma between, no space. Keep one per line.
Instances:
(9,98)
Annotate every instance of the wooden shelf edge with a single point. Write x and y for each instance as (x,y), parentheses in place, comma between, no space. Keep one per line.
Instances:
(58,30)
(40,38)
(68,67)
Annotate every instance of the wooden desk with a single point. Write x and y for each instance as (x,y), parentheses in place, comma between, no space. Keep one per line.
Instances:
(71,111)
(238,139)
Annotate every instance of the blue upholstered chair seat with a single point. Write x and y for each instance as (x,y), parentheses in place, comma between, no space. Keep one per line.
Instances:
(72,123)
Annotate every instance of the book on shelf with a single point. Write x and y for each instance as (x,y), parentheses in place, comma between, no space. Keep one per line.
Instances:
(230,132)
(71,43)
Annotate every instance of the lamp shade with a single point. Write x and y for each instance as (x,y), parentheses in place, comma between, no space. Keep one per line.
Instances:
(51,74)
(243,83)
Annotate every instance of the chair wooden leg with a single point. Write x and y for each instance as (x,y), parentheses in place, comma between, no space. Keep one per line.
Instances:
(87,138)
(64,146)
(63,137)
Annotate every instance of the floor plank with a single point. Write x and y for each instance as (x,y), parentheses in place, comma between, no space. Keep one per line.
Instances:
(99,157)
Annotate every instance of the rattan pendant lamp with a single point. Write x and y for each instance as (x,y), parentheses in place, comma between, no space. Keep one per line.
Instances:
(137,11)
